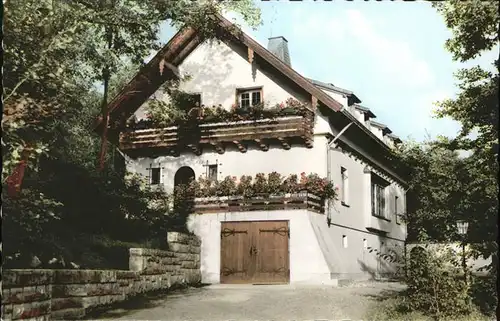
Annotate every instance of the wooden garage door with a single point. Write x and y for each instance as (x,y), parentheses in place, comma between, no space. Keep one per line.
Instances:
(255,252)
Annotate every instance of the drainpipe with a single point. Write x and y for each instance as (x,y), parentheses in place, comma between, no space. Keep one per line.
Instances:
(328,157)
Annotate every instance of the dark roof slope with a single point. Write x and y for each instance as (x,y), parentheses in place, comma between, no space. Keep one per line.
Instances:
(332,87)
(365,110)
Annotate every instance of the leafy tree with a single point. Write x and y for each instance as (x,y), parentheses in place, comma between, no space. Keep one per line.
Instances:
(55,51)
(56,45)
(436,185)
(474,26)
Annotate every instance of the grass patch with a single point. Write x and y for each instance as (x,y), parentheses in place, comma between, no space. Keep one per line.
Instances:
(87,251)
(102,252)
(391,309)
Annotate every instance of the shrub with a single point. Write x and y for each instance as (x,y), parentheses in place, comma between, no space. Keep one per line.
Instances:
(184,195)
(484,293)
(436,285)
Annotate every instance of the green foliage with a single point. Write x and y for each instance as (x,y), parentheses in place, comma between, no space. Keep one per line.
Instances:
(435,282)
(484,293)
(434,286)
(436,184)
(54,53)
(445,188)
(389,307)
(474,25)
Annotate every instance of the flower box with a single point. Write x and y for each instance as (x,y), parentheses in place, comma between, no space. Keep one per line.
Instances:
(289,201)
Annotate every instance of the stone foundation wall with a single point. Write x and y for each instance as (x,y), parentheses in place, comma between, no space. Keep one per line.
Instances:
(71,294)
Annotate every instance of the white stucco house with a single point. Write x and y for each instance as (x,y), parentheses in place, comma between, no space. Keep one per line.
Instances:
(340,141)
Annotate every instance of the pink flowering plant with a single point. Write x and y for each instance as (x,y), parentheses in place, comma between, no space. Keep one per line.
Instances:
(226,187)
(203,187)
(245,186)
(317,185)
(262,184)
(274,183)
(290,184)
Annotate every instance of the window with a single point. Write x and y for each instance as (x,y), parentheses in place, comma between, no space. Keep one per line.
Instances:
(155,175)
(378,197)
(212,172)
(344,186)
(344,241)
(249,97)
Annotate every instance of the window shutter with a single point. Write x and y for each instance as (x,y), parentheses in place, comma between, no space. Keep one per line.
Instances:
(148,175)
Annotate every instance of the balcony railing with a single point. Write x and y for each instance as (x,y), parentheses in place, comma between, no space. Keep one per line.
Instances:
(265,203)
(282,130)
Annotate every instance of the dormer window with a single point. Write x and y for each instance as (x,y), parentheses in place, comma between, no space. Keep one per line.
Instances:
(249,97)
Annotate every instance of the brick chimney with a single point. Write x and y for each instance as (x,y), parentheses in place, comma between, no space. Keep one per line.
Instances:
(279,47)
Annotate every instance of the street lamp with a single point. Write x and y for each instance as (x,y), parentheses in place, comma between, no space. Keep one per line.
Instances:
(462,227)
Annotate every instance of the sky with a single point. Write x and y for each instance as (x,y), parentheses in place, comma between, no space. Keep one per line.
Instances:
(390,54)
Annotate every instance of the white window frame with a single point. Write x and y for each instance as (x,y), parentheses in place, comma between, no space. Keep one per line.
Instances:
(375,198)
(250,93)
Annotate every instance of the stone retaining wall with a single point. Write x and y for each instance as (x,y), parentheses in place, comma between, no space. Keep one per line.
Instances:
(475,264)
(70,294)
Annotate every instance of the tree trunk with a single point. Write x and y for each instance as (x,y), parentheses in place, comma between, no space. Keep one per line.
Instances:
(106,74)
(105,119)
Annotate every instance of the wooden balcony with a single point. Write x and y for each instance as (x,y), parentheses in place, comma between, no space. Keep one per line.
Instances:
(265,203)
(242,134)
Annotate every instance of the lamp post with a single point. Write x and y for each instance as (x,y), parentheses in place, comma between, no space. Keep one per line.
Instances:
(462,227)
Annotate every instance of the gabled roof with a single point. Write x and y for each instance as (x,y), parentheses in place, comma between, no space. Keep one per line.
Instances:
(177,49)
(163,67)
(365,110)
(332,87)
(381,126)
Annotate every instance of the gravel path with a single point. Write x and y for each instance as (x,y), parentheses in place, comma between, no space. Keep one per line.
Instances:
(258,302)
